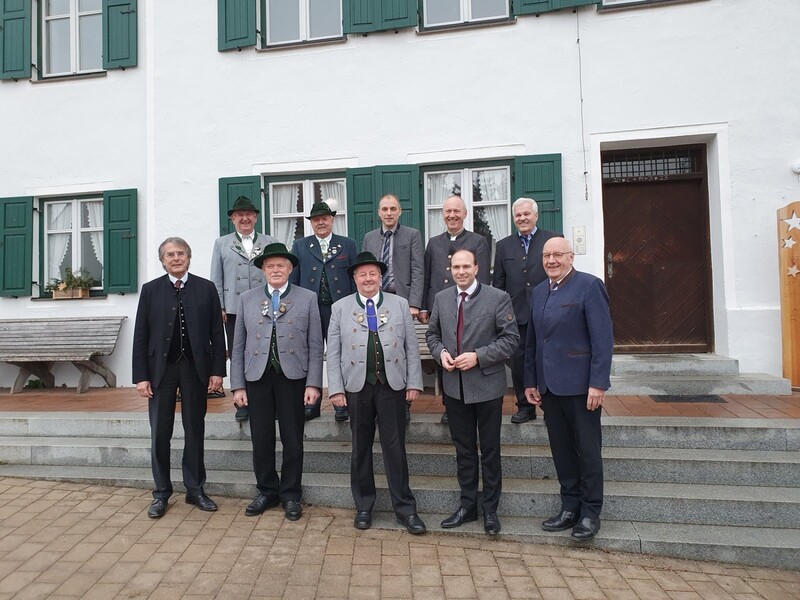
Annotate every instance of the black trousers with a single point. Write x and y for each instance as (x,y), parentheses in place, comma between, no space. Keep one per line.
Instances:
(161,408)
(325,319)
(576,442)
(518,370)
(276,394)
(469,424)
(230,327)
(379,403)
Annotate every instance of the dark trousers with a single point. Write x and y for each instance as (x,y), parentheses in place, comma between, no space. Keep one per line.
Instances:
(518,370)
(162,420)
(576,442)
(230,327)
(325,319)
(276,394)
(470,423)
(379,403)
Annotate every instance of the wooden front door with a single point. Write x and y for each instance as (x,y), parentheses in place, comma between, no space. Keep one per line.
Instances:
(657,249)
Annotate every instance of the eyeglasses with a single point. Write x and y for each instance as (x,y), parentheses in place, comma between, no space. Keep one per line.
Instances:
(556,255)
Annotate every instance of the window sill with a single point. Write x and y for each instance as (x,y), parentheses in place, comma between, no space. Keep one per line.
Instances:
(296,45)
(640,4)
(464,26)
(71,77)
(98,296)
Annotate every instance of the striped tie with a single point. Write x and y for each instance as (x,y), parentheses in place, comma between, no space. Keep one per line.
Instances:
(385,257)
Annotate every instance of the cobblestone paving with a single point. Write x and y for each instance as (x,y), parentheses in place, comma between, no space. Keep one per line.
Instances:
(61,540)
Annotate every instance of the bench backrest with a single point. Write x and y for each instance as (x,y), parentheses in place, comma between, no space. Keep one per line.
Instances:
(67,338)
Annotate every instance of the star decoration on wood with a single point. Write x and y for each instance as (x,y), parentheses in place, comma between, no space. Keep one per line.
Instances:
(794,222)
(788,242)
(793,271)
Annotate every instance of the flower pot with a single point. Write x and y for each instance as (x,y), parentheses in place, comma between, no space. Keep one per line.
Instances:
(70,294)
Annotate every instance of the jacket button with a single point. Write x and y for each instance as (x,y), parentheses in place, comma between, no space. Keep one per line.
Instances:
(261,322)
(291,351)
(352,362)
(238,278)
(528,284)
(313,268)
(258,336)
(255,353)
(446,281)
(237,293)
(311,280)
(545,339)
(447,268)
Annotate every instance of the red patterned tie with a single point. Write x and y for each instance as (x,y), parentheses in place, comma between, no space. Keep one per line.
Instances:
(460,322)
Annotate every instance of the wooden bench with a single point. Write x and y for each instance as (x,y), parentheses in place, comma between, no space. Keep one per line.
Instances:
(35,345)
(425,354)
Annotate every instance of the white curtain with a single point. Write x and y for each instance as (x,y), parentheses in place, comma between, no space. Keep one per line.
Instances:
(95,214)
(284,201)
(440,187)
(59,217)
(493,187)
(336,190)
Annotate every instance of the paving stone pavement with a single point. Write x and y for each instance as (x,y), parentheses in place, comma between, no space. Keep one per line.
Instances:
(63,540)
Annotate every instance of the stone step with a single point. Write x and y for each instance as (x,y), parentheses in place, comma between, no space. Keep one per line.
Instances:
(748,384)
(645,432)
(673,365)
(660,465)
(743,506)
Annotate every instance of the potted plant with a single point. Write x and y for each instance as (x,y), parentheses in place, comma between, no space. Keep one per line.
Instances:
(74,285)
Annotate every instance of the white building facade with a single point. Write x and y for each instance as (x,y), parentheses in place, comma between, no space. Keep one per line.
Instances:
(657,135)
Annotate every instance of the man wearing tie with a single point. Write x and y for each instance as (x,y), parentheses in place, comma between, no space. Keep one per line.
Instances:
(567,370)
(374,368)
(518,269)
(400,249)
(276,369)
(231,270)
(323,262)
(472,333)
(178,342)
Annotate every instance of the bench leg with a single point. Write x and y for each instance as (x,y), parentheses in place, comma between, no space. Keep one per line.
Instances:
(88,368)
(40,369)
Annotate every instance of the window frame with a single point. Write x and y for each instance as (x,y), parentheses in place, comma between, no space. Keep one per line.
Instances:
(465,8)
(74,17)
(304,26)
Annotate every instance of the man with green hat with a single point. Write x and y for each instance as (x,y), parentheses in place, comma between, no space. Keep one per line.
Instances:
(276,370)
(231,270)
(324,259)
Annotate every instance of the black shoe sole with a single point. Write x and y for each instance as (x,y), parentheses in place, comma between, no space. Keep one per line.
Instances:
(554,529)
(454,525)
(267,506)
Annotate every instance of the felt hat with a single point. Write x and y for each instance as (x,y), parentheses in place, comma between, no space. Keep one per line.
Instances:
(366,258)
(272,250)
(243,203)
(321,209)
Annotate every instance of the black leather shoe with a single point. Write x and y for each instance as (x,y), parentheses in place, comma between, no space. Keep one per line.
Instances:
(242,414)
(523,415)
(341,414)
(157,509)
(293,510)
(564,520)
(458,518)
(585,529)
(491,524)
(259,504)
(363,519)
(445,419)
(412,523)
(201,501)
(311,413)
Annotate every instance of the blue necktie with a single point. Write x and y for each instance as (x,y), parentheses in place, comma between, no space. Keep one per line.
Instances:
(276,302)
(372,318)
(526,240)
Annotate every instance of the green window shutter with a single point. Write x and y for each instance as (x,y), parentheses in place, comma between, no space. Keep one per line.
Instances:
(361,202)
(539,177)
(230,188)
(397,14)
(573,3)
(403,182)
(15,40)
(16,246)
(364,16)
(119,241)
(531,7)
(119,34)
(236,24)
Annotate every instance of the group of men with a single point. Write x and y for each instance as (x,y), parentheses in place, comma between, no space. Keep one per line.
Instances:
(279,307)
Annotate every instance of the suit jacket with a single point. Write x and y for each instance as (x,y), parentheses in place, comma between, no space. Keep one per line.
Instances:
(155,318)
(308,273)
(299,337)
(437,262)
(407,261)
(490,330)
(347,345)
(570,337)
(231,269)
(518,273)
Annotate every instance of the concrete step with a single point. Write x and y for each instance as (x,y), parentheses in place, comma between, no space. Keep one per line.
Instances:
(756,384)
(743,506)
(644,432)
(674,365)
(658,465)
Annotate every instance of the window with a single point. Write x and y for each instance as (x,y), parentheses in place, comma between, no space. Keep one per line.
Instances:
(294,21)
(73,238)
(486,190)
(72,36)
(291,200)
(452,12)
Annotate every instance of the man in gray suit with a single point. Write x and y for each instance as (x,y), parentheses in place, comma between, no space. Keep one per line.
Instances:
(373,368)
(472,333)
(400,249)
(231,270)
(276,369)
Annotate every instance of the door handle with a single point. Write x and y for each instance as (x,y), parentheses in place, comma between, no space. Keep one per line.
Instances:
(610,265)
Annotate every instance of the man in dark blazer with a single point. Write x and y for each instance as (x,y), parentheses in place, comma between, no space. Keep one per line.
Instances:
(518,269)
(567,370)
(178,342)
(472,332)
(323,262)
(231,270)
(374,368)
(276,369)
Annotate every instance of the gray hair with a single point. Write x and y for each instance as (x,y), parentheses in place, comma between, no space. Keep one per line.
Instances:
(523,200)
(178,242)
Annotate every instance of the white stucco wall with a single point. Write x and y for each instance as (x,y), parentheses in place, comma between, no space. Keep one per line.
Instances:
(718,71)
